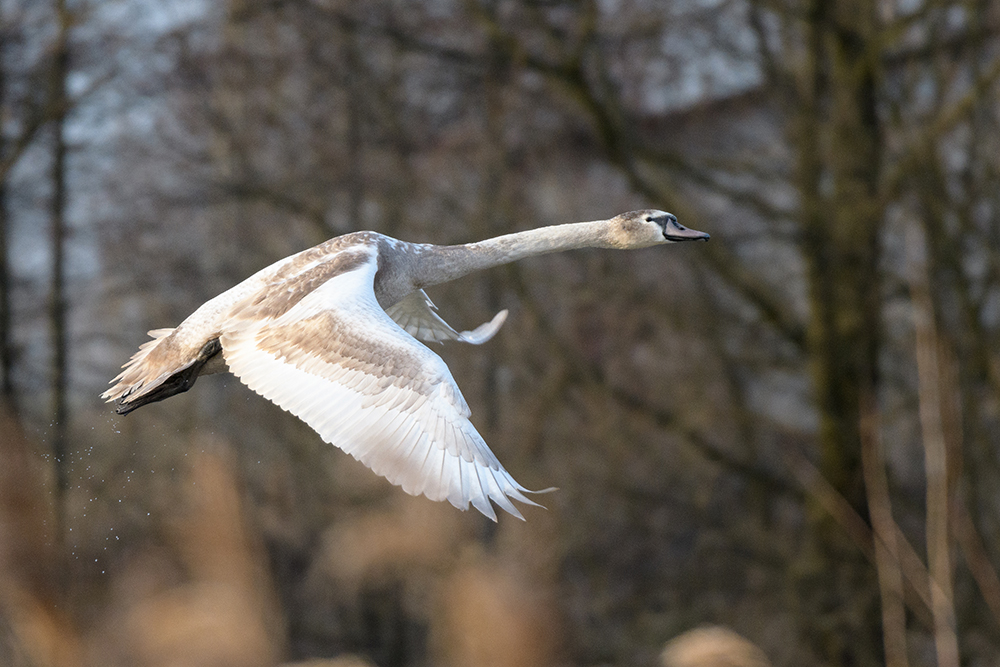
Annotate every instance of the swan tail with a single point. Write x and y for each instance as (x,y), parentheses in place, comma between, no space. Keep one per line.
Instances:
(160,368)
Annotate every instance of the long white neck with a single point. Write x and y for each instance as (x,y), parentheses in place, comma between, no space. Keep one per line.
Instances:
(440,264)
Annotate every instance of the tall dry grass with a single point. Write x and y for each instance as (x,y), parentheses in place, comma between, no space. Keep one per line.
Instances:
(712,646)
(199,594)
(31,572)
(491,614)
(204,599)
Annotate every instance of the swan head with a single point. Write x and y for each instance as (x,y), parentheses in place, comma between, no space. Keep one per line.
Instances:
(640,229)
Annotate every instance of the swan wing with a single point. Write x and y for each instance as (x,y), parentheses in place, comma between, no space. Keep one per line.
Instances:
(338,362)
(417,315)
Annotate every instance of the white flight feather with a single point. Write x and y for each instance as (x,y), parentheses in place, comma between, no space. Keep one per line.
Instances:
(419,440)
(417,315)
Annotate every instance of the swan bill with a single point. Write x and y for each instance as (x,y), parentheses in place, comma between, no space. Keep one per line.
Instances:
(675,232)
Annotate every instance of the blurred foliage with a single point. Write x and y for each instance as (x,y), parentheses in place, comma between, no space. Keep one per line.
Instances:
(789,431)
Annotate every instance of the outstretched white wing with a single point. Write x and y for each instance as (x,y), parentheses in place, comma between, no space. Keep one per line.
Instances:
(337,361)
(417,314)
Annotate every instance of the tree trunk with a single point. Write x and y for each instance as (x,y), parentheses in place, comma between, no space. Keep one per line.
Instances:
(57,294)
(839,158)
(6,319)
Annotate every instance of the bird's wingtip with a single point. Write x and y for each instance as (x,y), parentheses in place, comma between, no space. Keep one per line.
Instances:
(486,331)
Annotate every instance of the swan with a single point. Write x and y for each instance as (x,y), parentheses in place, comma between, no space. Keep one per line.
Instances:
(331,335)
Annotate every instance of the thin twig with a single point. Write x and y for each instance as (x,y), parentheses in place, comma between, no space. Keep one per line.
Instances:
(913,569)
(890,577)
(935,454)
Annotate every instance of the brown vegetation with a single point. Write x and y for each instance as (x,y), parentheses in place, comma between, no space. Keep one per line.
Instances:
(712,647)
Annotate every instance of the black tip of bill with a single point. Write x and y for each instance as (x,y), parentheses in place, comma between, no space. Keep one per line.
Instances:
(675,231)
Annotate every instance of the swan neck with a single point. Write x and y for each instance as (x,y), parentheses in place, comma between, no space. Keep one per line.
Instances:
(447,263)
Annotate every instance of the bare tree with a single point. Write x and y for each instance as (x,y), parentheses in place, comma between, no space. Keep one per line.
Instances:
(58,305)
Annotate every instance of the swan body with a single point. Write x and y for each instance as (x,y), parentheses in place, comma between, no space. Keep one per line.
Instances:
(332,335)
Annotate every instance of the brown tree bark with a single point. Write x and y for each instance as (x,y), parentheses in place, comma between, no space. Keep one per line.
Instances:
(6,337)
(57,291)
(839,155)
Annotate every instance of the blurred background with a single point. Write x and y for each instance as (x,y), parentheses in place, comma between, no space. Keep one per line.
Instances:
(790,432)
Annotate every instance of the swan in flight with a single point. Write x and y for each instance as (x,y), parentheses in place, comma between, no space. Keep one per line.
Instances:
(331,335)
